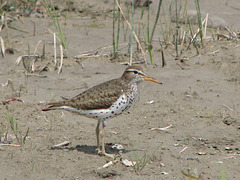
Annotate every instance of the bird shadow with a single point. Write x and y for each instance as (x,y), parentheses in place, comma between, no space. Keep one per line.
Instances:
(87,149)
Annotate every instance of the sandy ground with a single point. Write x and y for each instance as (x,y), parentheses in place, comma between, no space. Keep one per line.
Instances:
(199,100)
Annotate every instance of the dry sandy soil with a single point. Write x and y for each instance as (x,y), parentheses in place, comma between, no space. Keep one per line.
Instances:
(199,98)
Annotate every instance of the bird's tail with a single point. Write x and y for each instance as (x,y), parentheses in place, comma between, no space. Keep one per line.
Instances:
(53,106)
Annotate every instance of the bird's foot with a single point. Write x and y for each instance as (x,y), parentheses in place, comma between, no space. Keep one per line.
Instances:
(103,153)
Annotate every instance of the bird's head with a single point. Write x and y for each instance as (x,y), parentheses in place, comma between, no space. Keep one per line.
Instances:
(135,74)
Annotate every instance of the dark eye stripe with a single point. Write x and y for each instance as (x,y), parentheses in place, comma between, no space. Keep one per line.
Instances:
(136,72)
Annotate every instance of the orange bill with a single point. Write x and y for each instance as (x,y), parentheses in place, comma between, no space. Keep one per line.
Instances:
(148,78)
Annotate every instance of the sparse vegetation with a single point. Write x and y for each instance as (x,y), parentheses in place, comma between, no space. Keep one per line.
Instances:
(168,35)
(142,158)
(21,139)
(53,14)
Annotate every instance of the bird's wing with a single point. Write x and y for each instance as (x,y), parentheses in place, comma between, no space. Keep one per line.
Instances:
(101,96)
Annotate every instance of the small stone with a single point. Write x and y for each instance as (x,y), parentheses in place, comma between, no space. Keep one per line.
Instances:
(128,163)
(228,148)
(201,153)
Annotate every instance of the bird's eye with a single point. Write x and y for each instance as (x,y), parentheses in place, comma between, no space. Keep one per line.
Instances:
(135,72)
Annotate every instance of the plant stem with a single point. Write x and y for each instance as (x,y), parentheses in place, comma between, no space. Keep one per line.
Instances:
(119,20)
(114,48)
(156,19)
(149,45)
(199,20)
(131,36)
(176,34)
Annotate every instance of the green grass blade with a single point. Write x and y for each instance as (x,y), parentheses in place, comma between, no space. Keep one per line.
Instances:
(26,135)
(176,34)
(118,30)
(199,20)
(156,19)
(113,34)
(131,36)
(223,177)
(56,22)
(191,32)
(149,45)
(10,118)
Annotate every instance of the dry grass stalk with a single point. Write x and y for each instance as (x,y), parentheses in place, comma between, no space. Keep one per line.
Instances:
(26,66)
(232,34)
(55,49)
(37,47)
(33,64)
(98,52)
(205,26)
(198,31)
(61,62)
(43,52)
(20,58)
(2,21)
(2,47)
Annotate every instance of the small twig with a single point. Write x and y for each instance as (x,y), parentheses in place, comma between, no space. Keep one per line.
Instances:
(183,149)
(20,58)
(37,47)
(223,36)
(14,145)
(180,66)
(65,143)
(38,75)
(232,34)
(97,52)
(12,99)
(227,107)
(86,55)
(162,129)
(214,52)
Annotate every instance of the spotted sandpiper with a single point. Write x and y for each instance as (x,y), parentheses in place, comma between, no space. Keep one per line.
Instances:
(106,100)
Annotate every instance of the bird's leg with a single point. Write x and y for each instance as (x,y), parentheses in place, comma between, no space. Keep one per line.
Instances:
(100,133)
(102,139)
(103,152)
(97,133)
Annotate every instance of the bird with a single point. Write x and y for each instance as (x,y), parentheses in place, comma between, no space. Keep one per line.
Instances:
(105,101)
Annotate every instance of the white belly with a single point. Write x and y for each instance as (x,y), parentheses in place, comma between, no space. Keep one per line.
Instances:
(117,108)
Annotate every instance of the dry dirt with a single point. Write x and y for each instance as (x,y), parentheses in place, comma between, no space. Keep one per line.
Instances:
(199,98)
